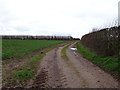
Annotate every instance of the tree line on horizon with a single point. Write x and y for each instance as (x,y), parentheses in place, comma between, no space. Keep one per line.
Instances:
(28,37)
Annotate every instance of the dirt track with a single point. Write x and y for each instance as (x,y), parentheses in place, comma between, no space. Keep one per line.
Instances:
(77,72)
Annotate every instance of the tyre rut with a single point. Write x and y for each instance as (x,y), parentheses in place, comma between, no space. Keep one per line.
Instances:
(49,74)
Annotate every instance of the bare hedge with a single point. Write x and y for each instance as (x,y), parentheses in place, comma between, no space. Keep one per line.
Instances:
(104,42)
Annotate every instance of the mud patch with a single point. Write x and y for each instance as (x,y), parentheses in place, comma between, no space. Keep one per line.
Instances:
(41,79)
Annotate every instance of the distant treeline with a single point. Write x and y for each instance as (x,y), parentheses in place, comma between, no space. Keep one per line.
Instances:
(25,37)
(105,42)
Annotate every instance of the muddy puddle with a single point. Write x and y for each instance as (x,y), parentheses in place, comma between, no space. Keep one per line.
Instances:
(73,49)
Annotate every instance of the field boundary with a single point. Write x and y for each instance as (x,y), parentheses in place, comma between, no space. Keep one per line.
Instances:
(29,68)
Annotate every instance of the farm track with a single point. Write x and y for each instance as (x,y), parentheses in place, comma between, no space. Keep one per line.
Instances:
(77,72)
(50,74)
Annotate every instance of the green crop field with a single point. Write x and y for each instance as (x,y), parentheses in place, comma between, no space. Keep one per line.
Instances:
(19,48)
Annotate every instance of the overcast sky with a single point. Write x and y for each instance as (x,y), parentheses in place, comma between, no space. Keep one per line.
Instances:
(55,17)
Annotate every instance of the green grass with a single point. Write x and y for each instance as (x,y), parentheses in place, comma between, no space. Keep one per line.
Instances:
(108,63)
(63,52)
(19,48)
(23,74)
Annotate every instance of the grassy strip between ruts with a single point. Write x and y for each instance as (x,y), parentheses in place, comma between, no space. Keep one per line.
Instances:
(108,63)
(63,52)
(19,78)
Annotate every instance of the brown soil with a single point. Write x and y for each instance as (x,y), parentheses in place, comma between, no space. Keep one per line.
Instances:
(77,72)
(50,74)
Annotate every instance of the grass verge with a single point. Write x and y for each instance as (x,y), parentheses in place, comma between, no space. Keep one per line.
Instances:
(29,69)
(24,74)
(108,63)
(32,64)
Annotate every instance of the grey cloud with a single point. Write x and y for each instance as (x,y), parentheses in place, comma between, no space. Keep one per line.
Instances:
(88,17)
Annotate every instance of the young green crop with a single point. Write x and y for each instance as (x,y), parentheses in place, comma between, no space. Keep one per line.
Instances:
(19,48)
